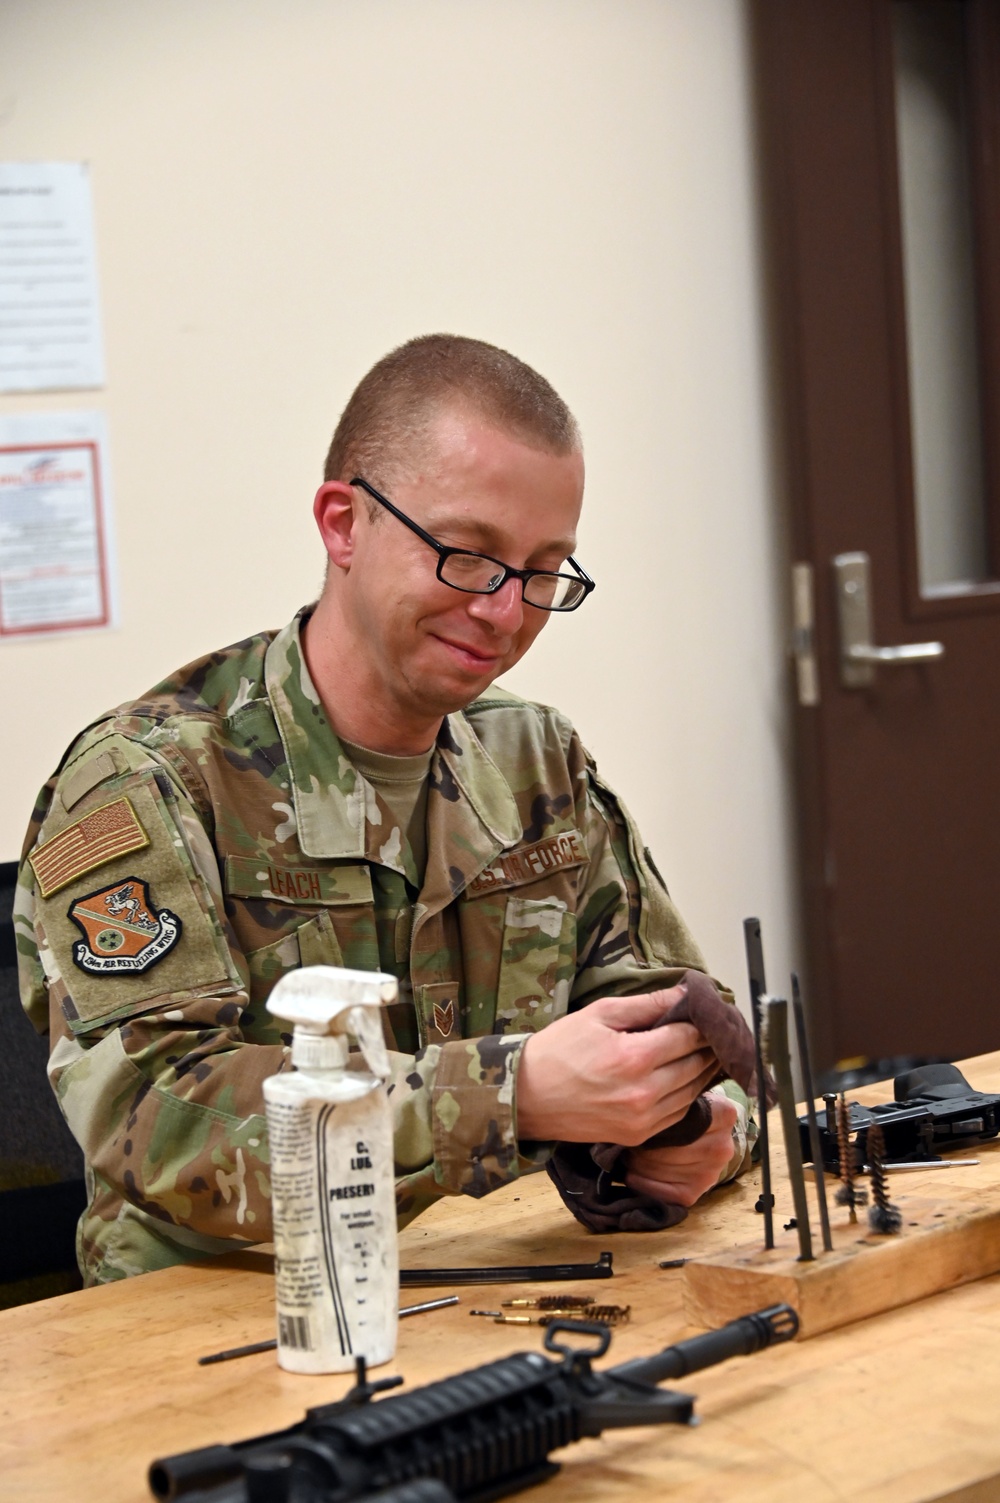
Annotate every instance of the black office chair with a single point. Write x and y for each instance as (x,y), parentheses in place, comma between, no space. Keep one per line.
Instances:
(41,1167)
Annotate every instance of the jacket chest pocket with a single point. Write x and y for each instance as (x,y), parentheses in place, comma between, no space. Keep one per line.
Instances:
(340,936)
(327,915)
(537,964)
(266,897)
(314,942)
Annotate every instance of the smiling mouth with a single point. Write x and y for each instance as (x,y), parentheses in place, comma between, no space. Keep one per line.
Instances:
(470,656)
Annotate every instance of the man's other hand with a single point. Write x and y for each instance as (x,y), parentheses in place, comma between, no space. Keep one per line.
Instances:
(682,1175)
(608,1074)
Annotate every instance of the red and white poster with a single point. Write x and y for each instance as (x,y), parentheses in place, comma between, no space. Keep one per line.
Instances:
(55,525)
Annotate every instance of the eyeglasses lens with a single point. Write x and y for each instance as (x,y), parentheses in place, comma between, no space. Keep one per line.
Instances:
(481,576)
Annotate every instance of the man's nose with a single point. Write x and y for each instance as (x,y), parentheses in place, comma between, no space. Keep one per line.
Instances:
(504,609)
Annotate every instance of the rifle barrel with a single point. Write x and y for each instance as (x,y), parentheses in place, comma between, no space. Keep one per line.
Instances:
(739,1338)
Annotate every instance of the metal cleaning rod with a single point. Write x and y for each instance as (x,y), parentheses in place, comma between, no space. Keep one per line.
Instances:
(758,987)
(802,1039)
(776,1012)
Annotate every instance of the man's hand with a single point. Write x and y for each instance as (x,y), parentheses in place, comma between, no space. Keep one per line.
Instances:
(606,1074)
(682,1175)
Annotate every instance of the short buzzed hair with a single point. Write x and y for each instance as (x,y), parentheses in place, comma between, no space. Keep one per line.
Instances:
(392,407)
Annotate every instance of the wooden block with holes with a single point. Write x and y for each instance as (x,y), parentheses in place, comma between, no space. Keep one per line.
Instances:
(943,1243)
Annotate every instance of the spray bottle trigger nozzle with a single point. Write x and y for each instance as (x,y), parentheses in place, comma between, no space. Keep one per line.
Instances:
(366,1025)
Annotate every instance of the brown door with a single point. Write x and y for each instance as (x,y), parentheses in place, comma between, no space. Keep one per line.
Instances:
(899,780)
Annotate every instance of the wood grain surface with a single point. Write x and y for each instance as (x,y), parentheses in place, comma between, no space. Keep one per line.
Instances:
(895,1409)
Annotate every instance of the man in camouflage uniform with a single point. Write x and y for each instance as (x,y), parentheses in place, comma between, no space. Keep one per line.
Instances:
(350,791)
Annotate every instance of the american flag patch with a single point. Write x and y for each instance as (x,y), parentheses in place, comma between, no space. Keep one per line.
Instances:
(112,830)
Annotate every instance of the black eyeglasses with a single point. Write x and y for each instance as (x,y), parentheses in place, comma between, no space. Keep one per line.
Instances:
(478,574)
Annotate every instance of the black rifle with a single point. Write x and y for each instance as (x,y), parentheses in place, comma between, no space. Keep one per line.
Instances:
(476,1436)
(935,1108)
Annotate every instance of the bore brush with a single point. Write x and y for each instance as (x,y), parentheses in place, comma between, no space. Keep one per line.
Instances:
(883,1216)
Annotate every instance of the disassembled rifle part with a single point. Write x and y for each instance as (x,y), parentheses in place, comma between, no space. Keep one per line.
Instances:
(608,1315)
(269,1346)
(238,1351)
(429,1304)
(934,1109)
(518,1273)
(476,1435)
(883,1216)
(758,987)
(774,1010)
(830,1123)
(802,1040)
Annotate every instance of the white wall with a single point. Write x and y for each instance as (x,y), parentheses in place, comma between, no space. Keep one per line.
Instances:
(283,190)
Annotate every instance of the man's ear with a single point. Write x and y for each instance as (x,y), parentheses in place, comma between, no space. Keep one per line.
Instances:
(335,510)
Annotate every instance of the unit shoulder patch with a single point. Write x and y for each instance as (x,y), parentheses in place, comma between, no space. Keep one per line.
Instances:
(123,933)
(110,831)
(530,862)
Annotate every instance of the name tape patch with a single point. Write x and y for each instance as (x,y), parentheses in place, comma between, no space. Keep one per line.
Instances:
(110,831)
(529,863)
(253,877)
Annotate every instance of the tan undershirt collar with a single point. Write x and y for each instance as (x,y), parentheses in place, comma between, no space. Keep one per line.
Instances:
(402,783)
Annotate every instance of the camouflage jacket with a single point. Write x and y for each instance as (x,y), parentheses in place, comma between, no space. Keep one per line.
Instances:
(199,843)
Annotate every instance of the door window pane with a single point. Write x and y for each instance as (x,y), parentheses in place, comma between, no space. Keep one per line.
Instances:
(938,264)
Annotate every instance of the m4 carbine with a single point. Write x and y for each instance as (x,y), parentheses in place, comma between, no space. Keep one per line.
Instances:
(476,1436)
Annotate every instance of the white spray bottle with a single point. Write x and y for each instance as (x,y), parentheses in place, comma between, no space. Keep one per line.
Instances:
(334,1204)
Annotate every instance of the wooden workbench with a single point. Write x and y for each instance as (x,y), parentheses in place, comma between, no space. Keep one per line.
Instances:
(899,1408)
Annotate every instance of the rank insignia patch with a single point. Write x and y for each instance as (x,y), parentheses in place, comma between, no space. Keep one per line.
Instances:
(123,934)
(444,1017)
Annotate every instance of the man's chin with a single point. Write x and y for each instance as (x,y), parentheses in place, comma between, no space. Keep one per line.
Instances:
(459,701)
(448,696)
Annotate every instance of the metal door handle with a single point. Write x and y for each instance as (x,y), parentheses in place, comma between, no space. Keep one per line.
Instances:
(858,654)
(906,652)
